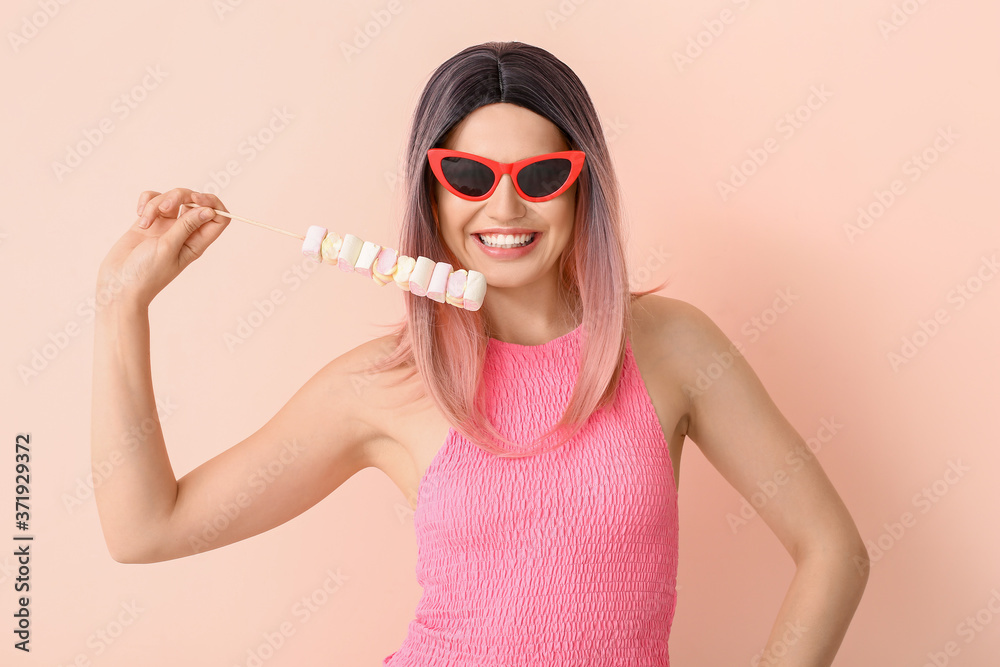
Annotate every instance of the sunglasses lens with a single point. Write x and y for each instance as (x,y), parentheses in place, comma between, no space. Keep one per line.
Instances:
(542,178)
(469,177)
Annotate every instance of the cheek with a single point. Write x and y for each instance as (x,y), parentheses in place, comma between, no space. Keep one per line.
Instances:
(452,217)
(564,218)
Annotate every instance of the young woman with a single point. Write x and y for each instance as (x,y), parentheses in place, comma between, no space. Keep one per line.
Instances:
(537,439)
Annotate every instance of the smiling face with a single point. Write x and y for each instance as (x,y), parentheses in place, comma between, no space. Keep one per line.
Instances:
(506,133)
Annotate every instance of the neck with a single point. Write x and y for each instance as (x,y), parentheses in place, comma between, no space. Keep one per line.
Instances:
(530,314)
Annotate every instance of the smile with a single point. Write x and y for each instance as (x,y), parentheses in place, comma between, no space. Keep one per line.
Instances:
(506,240)
(507,246)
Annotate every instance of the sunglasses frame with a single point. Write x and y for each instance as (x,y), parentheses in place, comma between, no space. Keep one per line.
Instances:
(576,158)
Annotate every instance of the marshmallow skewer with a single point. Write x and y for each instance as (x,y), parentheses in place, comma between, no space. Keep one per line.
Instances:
(420,276)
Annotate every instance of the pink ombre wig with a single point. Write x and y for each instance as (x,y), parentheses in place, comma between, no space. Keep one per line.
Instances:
(447,345)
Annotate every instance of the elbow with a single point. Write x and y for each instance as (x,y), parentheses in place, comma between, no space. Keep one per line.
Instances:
(839,552)
(860,560)
(846,560)
(132,557)
(129,552)
(855,552)
(126,542)
(125,555)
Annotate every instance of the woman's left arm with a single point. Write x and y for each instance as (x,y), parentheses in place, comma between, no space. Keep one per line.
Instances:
(743,434)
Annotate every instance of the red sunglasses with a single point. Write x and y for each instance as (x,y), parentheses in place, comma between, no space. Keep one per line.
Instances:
(538,178)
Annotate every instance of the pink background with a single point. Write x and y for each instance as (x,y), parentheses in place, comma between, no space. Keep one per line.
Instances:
(676,130)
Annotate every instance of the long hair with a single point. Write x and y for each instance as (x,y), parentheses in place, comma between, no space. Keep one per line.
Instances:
(447,345)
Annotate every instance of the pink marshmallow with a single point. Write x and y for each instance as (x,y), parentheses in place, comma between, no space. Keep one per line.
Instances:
(456,287)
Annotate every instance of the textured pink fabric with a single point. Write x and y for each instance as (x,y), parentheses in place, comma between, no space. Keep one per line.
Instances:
(563,558)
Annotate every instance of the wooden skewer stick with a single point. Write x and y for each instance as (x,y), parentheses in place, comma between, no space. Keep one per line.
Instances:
(252,222)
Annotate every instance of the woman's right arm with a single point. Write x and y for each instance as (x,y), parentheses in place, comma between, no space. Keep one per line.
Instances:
(319,439)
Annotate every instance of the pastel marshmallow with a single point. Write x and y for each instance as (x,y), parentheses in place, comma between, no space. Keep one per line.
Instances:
(369,251)
(331,248)
(456,287)
(439,282)
(385,264)
(404,269)
(475,290)
(311,245)
(421,276)
(349,252)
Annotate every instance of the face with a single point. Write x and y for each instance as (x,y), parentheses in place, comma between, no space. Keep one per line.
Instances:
(506,133)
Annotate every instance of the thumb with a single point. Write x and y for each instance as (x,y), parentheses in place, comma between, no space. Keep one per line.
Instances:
(190,235)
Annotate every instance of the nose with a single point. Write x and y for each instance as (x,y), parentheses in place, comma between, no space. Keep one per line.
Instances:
(505,203)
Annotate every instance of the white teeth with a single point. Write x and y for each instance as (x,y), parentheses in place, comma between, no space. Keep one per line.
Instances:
(506,240)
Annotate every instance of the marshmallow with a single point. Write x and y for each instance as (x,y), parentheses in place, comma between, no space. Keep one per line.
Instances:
(439,282)
(421,276)
(314,239)
(366,258)
(475,290)
(385,264)
(331,248)
(404,268)
(349,252)
(456,286)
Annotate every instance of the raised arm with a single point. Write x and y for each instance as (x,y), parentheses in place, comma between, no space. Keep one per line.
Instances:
(319,439)
(743,434)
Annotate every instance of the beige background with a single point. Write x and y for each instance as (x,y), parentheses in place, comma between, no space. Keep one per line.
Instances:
(200,78)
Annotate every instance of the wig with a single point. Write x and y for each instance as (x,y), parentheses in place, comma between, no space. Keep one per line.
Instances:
(447,345)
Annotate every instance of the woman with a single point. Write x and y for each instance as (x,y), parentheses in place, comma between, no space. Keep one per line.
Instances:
(547,519)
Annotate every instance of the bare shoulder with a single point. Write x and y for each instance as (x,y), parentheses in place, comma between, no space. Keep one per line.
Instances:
(373,398)
(681,342)
(678,327)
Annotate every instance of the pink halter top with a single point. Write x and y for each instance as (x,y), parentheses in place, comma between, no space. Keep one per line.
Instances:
(562,558)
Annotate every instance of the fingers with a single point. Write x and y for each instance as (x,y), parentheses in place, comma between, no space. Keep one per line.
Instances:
(192,233)
(206,199)
(165,205)
(143,199)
